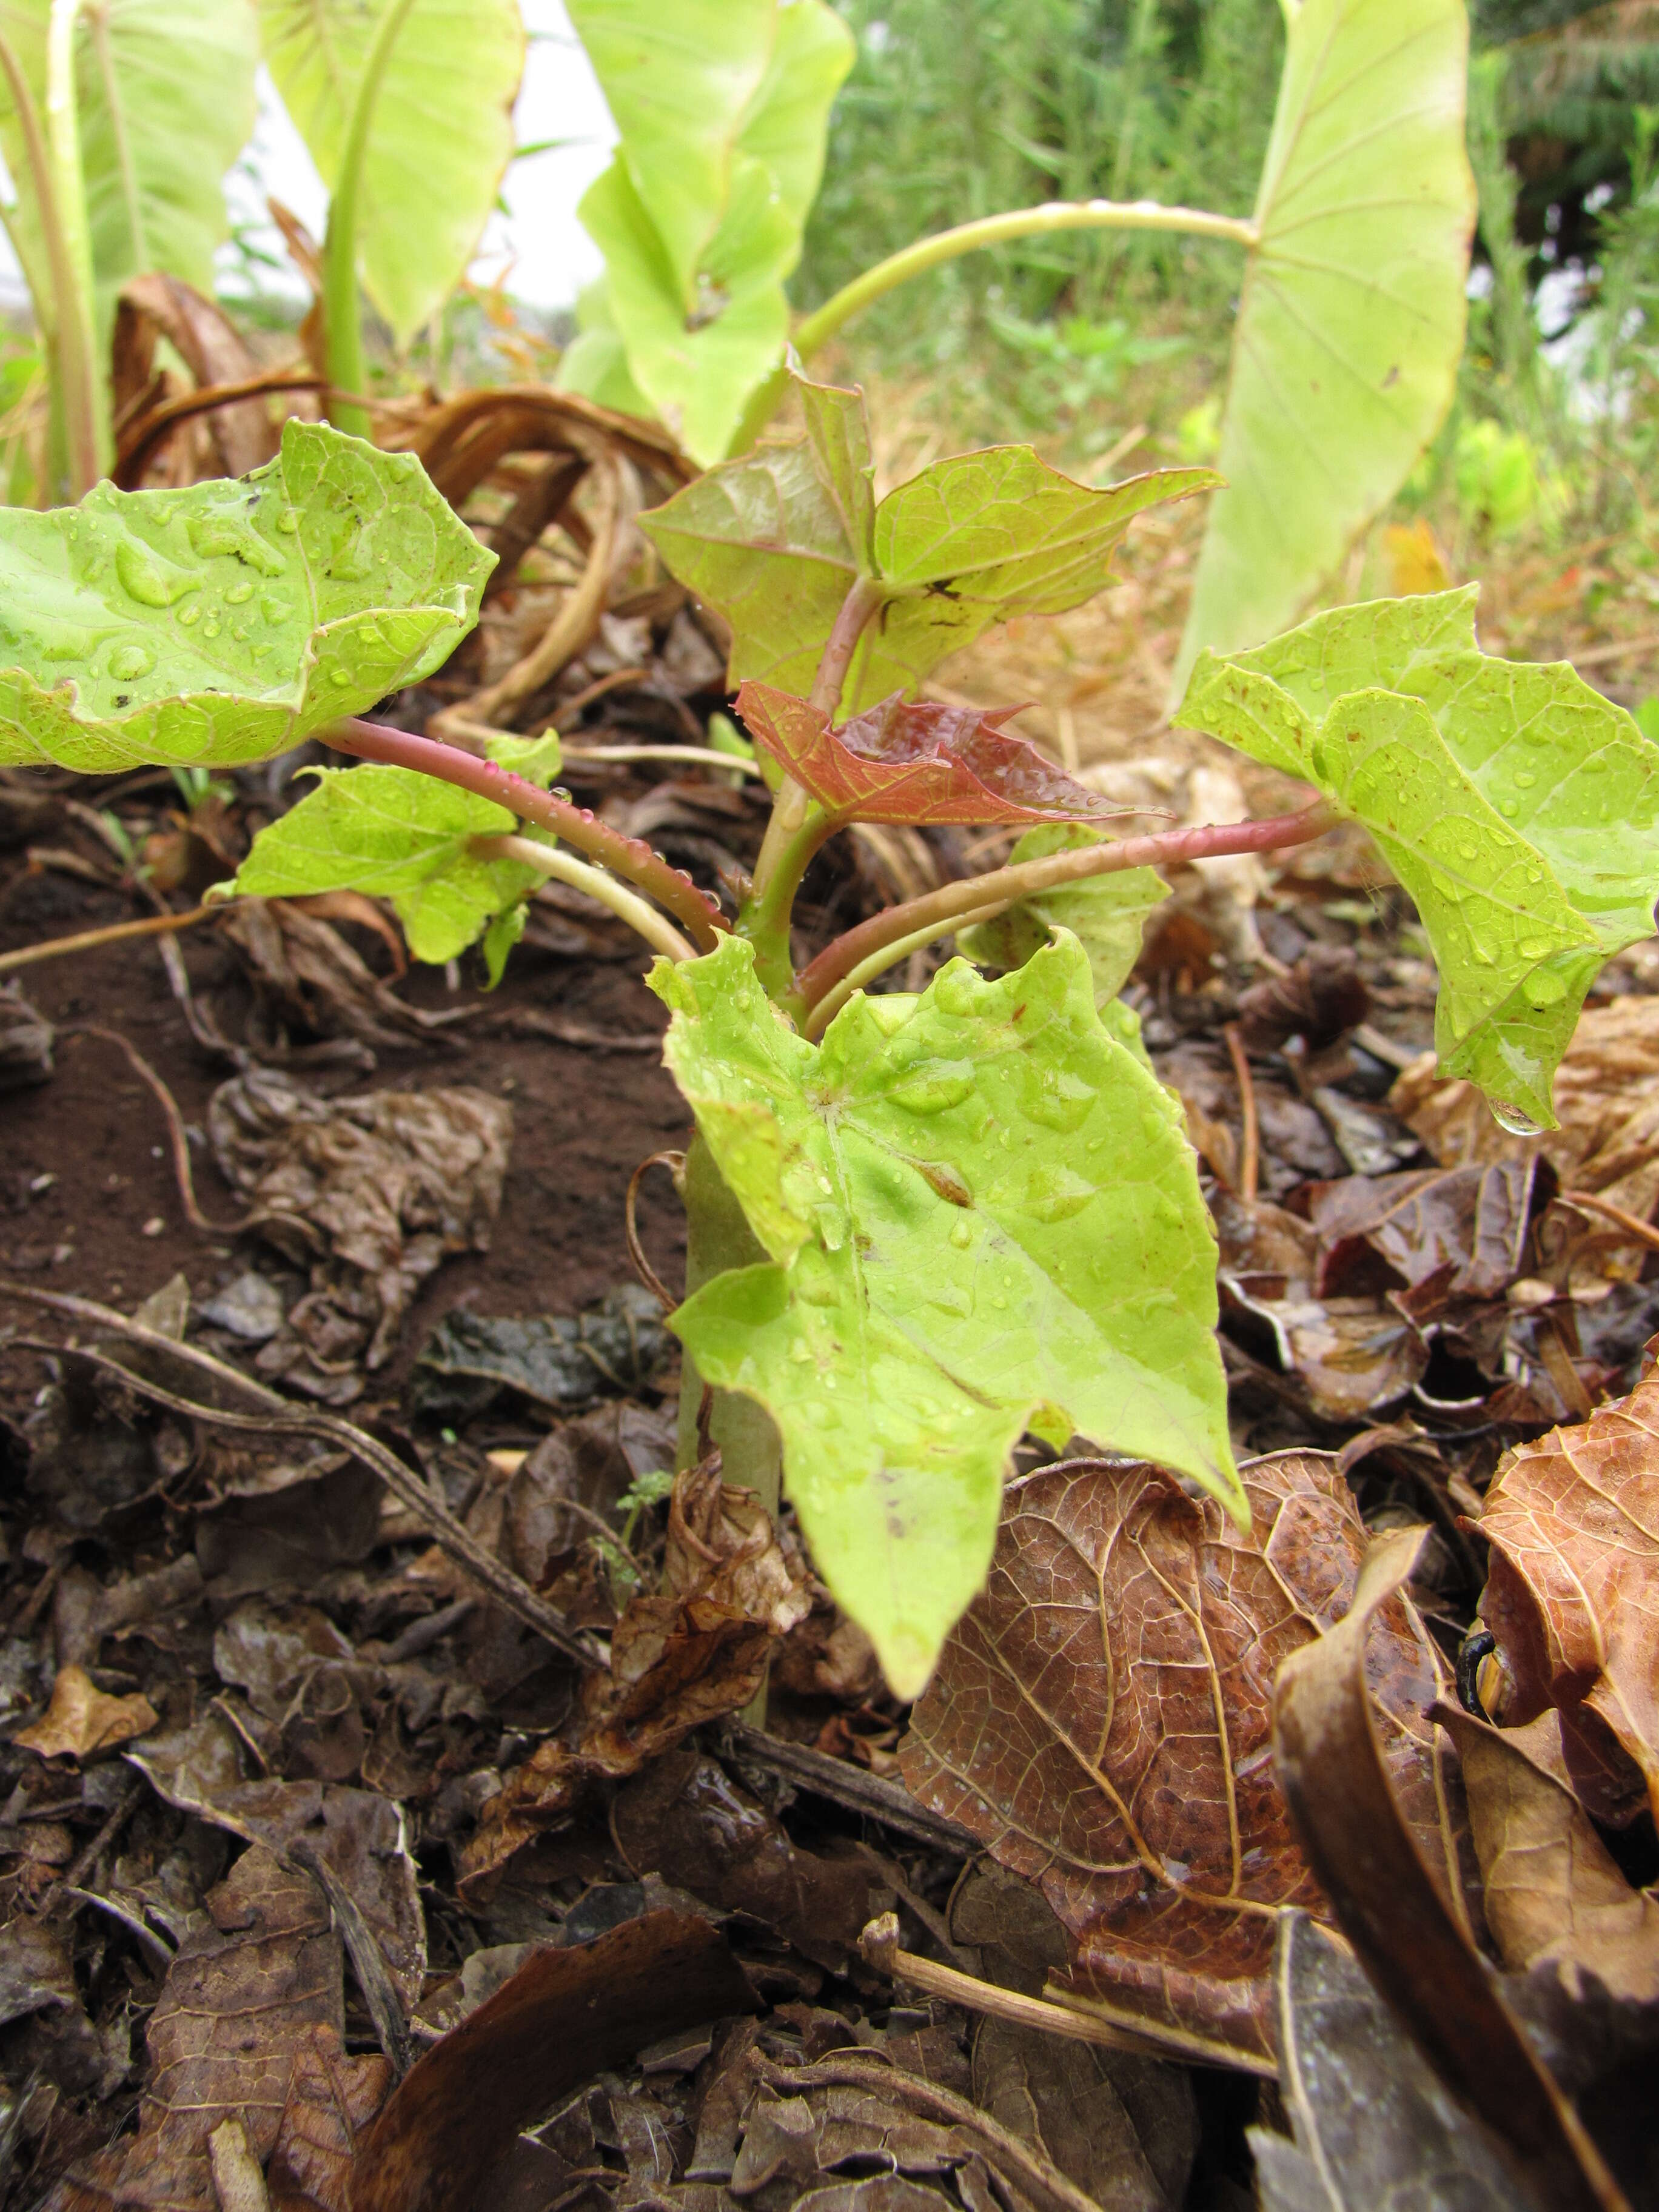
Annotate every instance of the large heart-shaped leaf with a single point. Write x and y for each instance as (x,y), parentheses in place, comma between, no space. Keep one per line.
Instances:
(980,1212)
(775,539)
(1517,805)
(440,138)
(722,106)
(224,622)
(1351,325)
(165,92)
(927,763)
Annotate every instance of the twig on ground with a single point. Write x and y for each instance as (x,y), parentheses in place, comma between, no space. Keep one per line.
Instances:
(880,1945)
(1640,1231)
(1249,1142)
(177,1139)
(90,940)
(278,1415)
(851,1786)
(530,1021)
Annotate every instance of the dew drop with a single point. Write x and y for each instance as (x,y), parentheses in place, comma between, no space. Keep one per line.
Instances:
(1000,1304)
(339,678)
(962,1235)
(1060,1100)
(210,627)
(189,616)
(238,593)
(932,1087)
(128,662)
(288,522)
(799,1350)
(149,580)
(1541,988)
(1524,779)
(1533,948)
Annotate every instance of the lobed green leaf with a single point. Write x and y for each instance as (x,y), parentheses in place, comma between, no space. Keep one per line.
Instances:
(980,1214)
(775,539)
(1515,803)
(393,833)
(227,622)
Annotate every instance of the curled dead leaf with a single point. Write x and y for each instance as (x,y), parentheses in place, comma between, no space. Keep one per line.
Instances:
(1391,1903)
(691,1652)
(1572,1595)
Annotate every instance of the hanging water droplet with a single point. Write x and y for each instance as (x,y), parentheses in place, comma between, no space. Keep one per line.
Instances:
(1512,1118)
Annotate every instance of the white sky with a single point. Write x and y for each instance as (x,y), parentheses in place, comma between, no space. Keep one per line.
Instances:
(552,255)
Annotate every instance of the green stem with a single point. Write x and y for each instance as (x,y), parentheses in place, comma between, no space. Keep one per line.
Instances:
(341,307)
(798,825)
(926,253)
(814,1023)
(551,860)
(85,402)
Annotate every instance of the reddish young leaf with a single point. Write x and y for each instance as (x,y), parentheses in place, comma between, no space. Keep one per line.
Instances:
(901,761)
(1101,1717)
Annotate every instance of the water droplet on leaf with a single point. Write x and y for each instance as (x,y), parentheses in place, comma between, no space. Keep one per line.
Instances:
(128,662)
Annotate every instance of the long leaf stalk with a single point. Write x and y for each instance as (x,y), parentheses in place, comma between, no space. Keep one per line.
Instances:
(88,439)
(917,920)
(342,302)
(630,858)
(552,861)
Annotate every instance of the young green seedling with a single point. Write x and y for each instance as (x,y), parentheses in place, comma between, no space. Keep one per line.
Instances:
(920,1225)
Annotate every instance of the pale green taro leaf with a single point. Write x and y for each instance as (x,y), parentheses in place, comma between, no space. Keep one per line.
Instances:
(595,363)
(722,106)
(1517,805)
(225,622)
(393,833)
(166,102)
(774,538)
(1351,323)
(440,138)
(696,370)
(980,1213)
(678,81)
(1106,914)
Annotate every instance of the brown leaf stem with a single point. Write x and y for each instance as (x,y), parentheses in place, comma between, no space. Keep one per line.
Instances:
(630,858)
(946,907)
(93,940)
(178,1143)
(1250,1144)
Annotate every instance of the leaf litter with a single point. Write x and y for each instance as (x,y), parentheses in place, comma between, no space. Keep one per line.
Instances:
(371,1774)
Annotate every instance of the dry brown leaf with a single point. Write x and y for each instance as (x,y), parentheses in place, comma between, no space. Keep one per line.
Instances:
(1101,1717)
(81,1720)
(1572,1596)
(1553,1890)
(333,2101)
(691,1652)
(238,1998)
